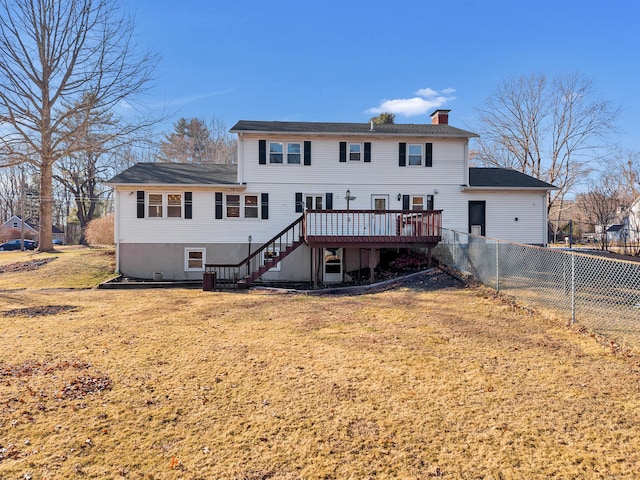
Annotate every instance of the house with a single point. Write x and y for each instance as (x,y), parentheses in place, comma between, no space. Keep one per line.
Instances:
(315,201)
(31,229)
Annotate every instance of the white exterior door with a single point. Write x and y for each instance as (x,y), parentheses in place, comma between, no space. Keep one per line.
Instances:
(380,223)
(332,265)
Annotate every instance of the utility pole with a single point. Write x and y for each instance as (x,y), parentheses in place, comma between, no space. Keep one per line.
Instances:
(21,207)
(570,233)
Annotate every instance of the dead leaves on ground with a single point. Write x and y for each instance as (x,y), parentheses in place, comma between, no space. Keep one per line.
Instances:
(25,266)
(40,311)
(30,387)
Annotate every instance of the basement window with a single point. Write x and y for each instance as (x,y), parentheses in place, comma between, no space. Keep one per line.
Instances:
(194,259)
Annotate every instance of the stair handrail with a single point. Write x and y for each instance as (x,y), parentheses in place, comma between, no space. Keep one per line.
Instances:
(262,248)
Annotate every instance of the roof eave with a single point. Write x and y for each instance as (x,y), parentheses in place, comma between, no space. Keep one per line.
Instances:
(487,187)
(187,185)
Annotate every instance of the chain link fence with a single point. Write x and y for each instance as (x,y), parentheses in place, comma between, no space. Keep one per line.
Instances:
(603,294)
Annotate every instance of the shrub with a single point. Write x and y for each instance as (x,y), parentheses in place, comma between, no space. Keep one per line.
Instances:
(10,233)
(99,231)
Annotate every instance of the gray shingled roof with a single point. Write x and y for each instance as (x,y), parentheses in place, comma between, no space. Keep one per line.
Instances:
(178,174)
(322,128)
(504,178)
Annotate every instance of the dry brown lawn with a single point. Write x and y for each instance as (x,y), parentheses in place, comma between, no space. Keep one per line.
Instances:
(409,384)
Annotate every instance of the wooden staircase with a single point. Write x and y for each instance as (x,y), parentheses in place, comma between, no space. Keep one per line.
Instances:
(243,274)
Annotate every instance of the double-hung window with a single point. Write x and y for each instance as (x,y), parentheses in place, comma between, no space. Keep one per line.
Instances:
(164,205)
(250,206)
(354,151)
(420,202)
(174,205)
(155,202)
(276,152)
(270,253)
(313,202)
(194,258)
(415,154)
(242,206)
(293,153)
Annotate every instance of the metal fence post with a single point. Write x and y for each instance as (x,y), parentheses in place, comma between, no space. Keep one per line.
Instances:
(573,288)
(497,266)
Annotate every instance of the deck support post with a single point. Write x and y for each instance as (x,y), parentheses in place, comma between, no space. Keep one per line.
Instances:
(372,265)
(314,257)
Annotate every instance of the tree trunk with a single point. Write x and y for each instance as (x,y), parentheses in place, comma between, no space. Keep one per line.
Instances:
(45,244)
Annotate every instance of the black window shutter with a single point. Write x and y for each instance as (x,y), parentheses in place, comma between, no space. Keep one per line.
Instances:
(428,156)
(140,203)
(218,205)
(307,153)
(343,151)
(265,205)
(402,154)
(367,151)
(405,202)
(188,205)
(299,205)
(329,201)
(429,202)
(262,152)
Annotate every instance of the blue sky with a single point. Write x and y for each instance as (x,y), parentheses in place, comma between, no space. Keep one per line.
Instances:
(340,60)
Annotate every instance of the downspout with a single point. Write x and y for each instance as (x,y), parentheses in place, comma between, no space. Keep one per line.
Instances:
(545,219)
(116,228)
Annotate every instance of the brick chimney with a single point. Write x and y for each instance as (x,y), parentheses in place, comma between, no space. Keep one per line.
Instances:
(440,117)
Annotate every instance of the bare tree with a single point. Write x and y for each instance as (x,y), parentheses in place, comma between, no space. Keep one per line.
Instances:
(64,59)
(600,206)
(551,130)
(193,141)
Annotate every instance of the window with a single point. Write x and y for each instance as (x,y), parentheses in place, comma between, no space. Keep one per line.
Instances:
(269,254)
(161,205)
(293,153)
(250,206)
(15,224)
(415,154)
(242,206)
(155,205)
(174,205)
(354,151)
(233,206)
(276,152)
(194,259)
(313,202)
(420,202)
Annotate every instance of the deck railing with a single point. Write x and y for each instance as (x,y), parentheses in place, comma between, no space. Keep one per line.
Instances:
(360,226)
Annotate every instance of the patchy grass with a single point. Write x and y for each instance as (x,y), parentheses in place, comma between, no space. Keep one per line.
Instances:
(401,384)
(66,267)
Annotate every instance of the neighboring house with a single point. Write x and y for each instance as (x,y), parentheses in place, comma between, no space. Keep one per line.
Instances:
(31,228)
(15,222)
(617,233)
(314,201)
(633,221)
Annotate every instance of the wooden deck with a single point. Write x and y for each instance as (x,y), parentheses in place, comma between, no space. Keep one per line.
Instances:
(373,228)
